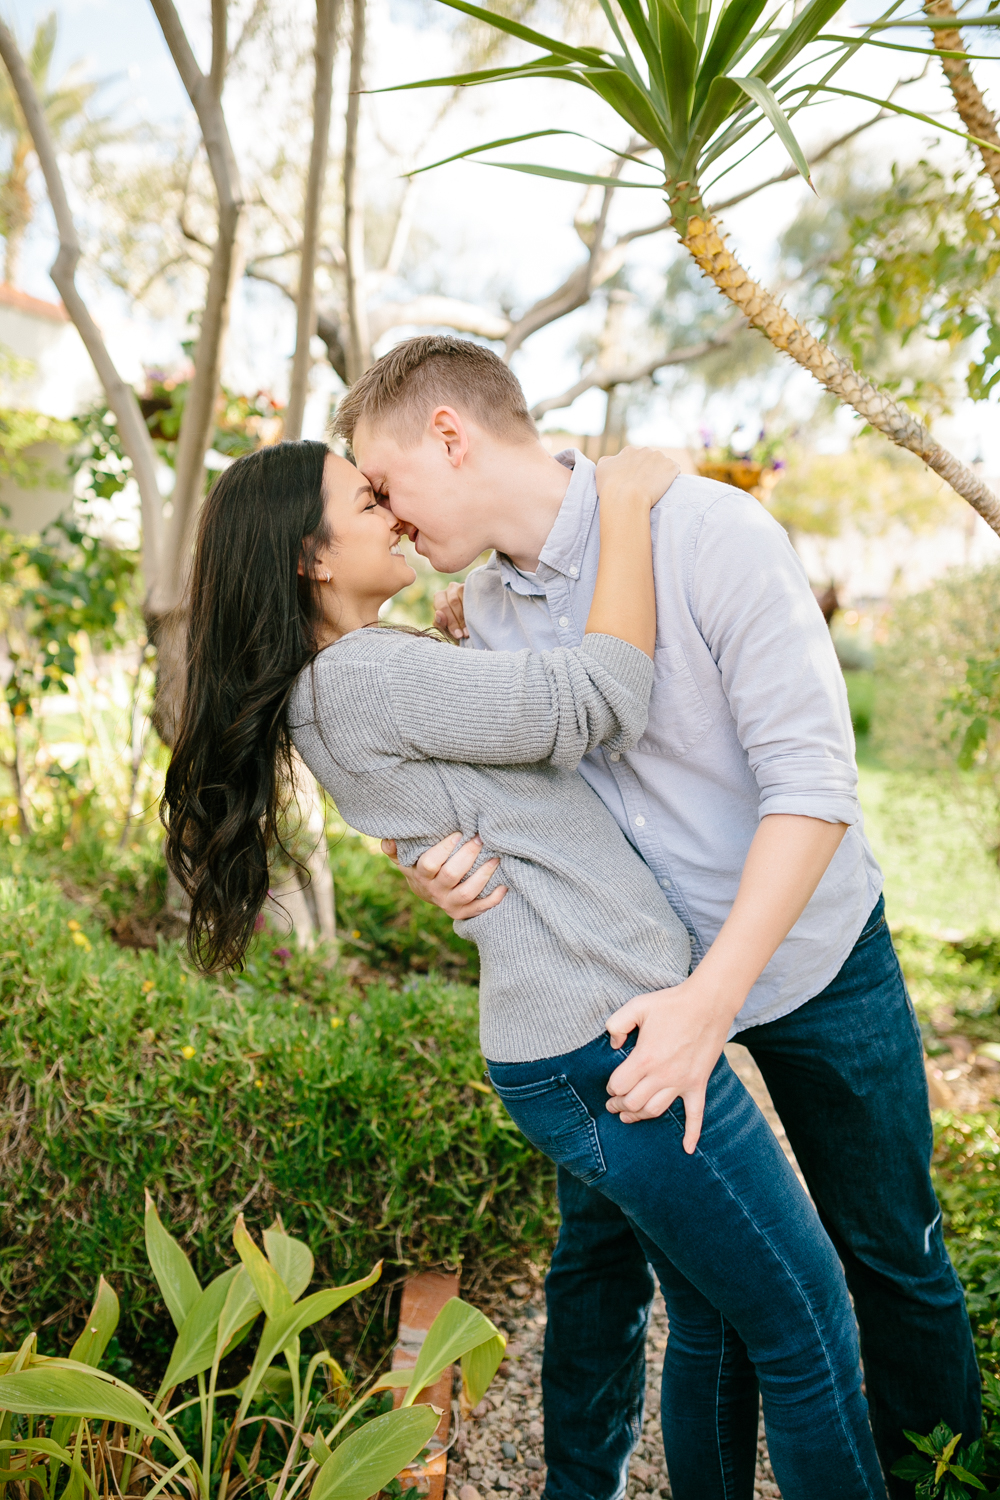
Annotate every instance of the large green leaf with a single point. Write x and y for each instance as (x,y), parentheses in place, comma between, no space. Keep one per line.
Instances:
(632,103)
(525,33)
(238,1312)
(734,24)
(764,98)
(291,1258)
(52,1449)
(540,67)
(479,1365)
(457,1328)
(870,41)
(367,1460)
(279,1332)
(563,174)
(531,135)
(179,1286)
(792,39)
(52,1390)
(914,114)
(101,1323)
(680,63)
(194,1349)
(272,1293)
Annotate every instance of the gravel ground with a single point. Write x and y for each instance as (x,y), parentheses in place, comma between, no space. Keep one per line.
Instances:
(498,1451)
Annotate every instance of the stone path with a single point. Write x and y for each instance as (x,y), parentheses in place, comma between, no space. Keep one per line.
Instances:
(498,1452)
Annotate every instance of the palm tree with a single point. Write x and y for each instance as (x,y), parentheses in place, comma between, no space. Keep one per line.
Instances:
(693,80)
(64,103)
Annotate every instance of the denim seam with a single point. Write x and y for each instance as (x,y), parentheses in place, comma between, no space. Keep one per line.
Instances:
(795,1282)
(718,1402)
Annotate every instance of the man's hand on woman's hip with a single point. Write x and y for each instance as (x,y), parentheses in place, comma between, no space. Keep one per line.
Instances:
(441,876)
(681,1037)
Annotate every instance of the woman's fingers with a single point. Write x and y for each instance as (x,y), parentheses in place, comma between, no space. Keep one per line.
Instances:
(389,850)
(441,876)
(475,908)
(449,611)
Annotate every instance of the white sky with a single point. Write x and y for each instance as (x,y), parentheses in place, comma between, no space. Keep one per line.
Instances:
(503,233)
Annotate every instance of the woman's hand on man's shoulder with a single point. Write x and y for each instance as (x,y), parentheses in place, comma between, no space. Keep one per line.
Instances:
(636,472)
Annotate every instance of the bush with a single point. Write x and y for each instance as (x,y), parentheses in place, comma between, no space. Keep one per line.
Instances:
(934,686)
(360,1112)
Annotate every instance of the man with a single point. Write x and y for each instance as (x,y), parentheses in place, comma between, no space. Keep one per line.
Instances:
(741,797)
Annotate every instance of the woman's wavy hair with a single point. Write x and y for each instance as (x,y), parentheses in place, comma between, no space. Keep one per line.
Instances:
(251,629)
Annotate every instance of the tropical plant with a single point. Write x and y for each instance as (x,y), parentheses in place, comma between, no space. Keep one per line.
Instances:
(940,1469)
(702,84)
(64,105)
(113,1441)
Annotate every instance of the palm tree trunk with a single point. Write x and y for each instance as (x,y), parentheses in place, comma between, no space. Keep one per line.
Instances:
(704,239)
(973,110)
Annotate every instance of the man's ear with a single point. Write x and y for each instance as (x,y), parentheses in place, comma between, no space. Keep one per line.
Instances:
(447,428)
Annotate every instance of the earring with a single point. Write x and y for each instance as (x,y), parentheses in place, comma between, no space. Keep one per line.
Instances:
(327,578)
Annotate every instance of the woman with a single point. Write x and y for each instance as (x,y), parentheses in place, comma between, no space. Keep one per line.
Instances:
(294,558)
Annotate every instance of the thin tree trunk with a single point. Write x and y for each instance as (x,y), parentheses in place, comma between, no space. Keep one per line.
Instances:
(205,92)
(327,18)
(704,239)
(121,398)
(19,775)
(358,344)
(978,119)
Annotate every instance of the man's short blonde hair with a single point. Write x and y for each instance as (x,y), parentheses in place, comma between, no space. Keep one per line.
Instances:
(401,389)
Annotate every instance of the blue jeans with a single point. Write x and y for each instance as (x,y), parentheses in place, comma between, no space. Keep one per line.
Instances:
(753,1287)
(845,1072)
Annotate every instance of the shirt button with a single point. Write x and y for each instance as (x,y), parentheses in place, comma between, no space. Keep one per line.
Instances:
(640,822)
(614,755)
(665,884)
(574,572)
(563,622)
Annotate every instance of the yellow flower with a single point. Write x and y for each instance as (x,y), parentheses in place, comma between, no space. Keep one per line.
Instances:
(355,933)
(335,1022)
(147,986)
(82,941)
(258,1084)
(73,925)
(187,1053)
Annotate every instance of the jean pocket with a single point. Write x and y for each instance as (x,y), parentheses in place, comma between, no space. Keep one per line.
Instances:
(555,1119)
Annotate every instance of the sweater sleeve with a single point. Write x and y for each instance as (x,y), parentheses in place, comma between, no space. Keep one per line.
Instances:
(517,707)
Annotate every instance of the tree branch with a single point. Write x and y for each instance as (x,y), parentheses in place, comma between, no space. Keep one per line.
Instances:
(437,312)
(205,93)
(604,378)
(121,398)
(359,343)
(327,19)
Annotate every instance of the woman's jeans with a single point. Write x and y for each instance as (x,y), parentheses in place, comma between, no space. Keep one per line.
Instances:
(753,1287)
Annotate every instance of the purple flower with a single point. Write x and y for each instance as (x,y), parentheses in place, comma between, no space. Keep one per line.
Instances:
(281,954)
(259,922)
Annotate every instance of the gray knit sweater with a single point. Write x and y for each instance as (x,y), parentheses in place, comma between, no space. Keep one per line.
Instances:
(413,739)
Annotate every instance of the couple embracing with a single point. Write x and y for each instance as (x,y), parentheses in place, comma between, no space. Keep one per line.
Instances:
(634,788)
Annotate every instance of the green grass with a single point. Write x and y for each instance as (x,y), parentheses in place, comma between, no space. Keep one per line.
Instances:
(358,1114)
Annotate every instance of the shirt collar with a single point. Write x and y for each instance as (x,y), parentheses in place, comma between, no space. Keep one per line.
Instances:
(566,542)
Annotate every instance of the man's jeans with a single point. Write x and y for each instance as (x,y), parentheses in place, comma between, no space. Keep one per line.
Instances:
(845,1072)
(753,1286)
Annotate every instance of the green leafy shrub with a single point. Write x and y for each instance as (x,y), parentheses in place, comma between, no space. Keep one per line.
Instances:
(363,1108)
(938,705)
(339,1447)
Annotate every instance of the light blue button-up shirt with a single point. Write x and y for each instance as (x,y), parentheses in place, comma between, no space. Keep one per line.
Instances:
(748,714)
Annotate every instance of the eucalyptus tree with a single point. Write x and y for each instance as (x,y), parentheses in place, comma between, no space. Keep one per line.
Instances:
(702,82)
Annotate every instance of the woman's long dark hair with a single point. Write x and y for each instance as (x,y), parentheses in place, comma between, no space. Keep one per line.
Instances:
(251,630)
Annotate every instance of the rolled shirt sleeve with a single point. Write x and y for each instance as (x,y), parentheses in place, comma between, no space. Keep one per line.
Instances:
(753,605)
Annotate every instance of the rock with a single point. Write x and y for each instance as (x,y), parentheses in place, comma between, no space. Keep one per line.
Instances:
(484,1406)
(508,1450)
(533,1463)
(468,1492)
(536,1430)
